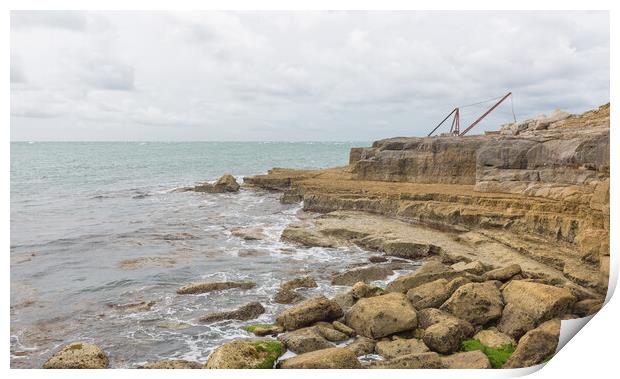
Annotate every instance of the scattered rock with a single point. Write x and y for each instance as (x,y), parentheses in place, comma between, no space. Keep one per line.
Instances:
(377,259)
(247,312)
(248,234)
(477,303)
(443,332)
(475,267)
(494,338)
(419,360)
(249,353)
(202,287)
(304,340)
(301,282)
(467,360)
(78,355)
(308,312)
(429,295)
(135,263)
(226,183)
(380,316)
(344,329)
(502,274)
(329,333)
(362,346)
(515,321)
(286,296)
(362,274)
(428,272)
(587,307)
(325,358)
(362,290)
(264,329)
(173,364)
(398,347)
(536,345)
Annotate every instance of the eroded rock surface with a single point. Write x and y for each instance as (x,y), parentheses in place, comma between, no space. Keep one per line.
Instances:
(78,355)
(380,316)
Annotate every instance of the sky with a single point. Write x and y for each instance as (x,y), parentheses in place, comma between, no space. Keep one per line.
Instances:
(295,76)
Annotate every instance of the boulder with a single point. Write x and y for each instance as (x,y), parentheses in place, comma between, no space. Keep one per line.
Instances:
(536,345)
(494,338)
(515,321)
(344,329)
(429,295)
(329,333)
(264,329)
(250,353)
(477,303)
(398,347)
(445,337)
(248,234)
(301,282)
(308,312)
(380,316)
(587,307)
(502,274)
(362,346)
(535,302)
(173,364)
(226,183)
(428,272)
(361,274)
(78,355)
(287,296)
(203,287)
(466,360)
(475,267)
(247,312)
(304,340)
(362,290)
(418,360)
(325,359)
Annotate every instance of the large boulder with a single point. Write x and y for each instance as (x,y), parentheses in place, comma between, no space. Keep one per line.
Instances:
(494,338)
(202,287)
(301,282)
(477,303)
(249,353)
(362,346)
(326,359)
(304,340)
(400,346)
(247,312)
(536,345)
(226,183)
(380,316)
(443,332)
(308,312)
(78,355)
(502,274)
(541,301)
(433,294)
(361,274)
(466,360)
(428,360)
(515,321)
(428,272)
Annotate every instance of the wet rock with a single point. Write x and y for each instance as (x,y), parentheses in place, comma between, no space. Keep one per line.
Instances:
(173,325)
(329,333)
(362,290)
(203,287)
(503,274)
(475,267)
(286,296)
(248,234)
(420,360)
(247,312)
(515,321)
(429,295)
(326,359)
(477,303)
(226,183)
(78,355)
(264,329)
(343,328)
(398,347)
(409,249)
(534,302)
(380,316)
(308,312)
(134,307)
(494,338)
(362,346)
(304,340)
(250,353)
(173,364)
(467,360)
(428,272)
(362,274)
(135,263)
(587,307)
(443,332)
(301,282)
(377,259)
(536,345)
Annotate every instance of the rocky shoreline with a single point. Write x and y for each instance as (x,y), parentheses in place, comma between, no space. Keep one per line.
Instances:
(512,229)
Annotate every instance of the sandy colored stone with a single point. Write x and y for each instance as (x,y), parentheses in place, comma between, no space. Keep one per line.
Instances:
(301,282)
(308,312)
(247,312)
(380,316)
(361,274)
(203,287)
(536,345)
(344,328)
(494,338)
(249,353)
(429,295)
(304,340)
(78,355)
(503,273)
(173,364)
(362,346)
(398,347)
(323,359)
(466,360)
(477,303)
(540,301)
(428,360)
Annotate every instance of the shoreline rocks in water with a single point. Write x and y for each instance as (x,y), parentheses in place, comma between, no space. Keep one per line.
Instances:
(244,354)
(203,287)
(247,312)
(226,183)
(78,355)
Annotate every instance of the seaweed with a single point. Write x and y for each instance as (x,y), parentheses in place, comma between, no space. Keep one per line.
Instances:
(272,351)
(497,355)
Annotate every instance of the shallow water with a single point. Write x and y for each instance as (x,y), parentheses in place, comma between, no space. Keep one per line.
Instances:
(97,224)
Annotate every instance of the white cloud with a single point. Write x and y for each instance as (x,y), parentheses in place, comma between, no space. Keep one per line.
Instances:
(294,75)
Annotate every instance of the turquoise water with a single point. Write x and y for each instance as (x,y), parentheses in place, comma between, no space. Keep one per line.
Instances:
(94,225)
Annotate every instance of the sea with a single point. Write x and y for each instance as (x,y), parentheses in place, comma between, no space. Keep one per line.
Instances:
(98,226)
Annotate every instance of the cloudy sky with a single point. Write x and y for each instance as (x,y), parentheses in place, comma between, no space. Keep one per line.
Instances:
(294,75)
